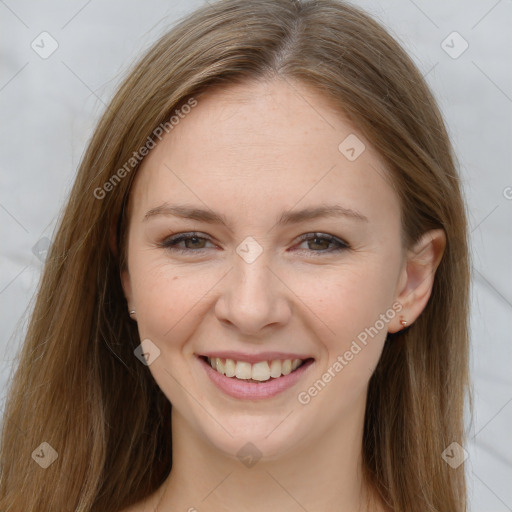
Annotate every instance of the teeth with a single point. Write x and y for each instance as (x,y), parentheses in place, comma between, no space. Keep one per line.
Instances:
(243,370)
(230,368)
(296,364)
(219,365)
(261,371)
(275,369)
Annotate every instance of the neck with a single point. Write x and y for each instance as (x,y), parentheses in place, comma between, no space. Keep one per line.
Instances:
(322,474)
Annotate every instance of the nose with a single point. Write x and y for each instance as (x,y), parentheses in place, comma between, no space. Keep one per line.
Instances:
(253,298)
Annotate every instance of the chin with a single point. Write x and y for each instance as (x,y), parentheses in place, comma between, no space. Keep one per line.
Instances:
(257,437)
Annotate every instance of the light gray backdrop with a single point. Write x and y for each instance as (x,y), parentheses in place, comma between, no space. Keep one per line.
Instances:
(50,102)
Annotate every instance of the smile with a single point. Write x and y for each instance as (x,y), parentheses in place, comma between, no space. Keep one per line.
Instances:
(257,372)
(256,380)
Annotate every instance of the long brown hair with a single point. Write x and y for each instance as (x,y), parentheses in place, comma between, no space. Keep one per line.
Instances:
(78,385)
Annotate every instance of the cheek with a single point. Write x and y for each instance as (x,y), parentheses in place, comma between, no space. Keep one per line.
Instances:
(352,310)
(345,300)
(169,309)
(167,299)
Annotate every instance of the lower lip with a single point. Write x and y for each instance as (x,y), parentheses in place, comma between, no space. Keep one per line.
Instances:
(238,388)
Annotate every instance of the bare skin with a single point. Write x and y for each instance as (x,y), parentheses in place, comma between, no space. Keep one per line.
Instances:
(250,152)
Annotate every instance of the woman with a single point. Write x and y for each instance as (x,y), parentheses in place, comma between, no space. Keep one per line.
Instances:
(266,232)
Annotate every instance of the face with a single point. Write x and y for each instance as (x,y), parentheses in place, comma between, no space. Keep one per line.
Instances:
(258,277)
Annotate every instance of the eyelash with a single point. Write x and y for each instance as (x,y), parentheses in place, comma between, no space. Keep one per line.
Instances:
(171,242)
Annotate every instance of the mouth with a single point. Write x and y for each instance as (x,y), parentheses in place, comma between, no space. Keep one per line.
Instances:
(262,371)
(256,380)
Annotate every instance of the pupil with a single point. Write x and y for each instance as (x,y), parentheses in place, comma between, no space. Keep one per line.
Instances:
(194,240)
(318,241)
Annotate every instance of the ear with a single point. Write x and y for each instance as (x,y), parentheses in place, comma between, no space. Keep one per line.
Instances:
(124,274)
(127,287)
(417,277)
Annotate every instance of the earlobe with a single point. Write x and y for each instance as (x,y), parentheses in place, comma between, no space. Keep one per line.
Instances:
(417,276)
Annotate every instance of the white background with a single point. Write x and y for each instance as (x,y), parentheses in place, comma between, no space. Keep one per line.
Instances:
(49,108)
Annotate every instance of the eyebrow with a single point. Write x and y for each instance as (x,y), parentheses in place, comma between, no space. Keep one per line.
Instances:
(286,218)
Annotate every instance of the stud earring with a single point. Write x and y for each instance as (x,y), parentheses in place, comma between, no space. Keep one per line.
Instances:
(404,323)
(132,312)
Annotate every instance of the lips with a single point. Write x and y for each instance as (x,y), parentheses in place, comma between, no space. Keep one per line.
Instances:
(240,378)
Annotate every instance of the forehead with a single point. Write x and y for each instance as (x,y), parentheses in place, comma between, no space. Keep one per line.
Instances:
(266,144)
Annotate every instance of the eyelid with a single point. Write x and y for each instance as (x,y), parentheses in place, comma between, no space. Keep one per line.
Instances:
(171,242)
(340,245)
(324,236)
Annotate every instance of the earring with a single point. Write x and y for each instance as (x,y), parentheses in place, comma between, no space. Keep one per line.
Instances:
(404,323)
(132,312)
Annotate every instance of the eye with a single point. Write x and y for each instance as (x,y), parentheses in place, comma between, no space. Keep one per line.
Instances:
(193,242)
(319,243)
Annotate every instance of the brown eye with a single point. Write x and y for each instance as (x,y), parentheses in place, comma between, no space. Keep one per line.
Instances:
(320,243)
(192,242)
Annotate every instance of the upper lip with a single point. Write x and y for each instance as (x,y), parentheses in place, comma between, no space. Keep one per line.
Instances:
(254,358)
